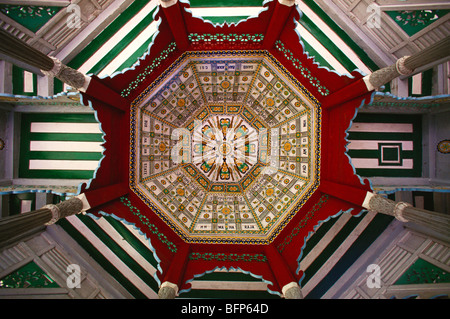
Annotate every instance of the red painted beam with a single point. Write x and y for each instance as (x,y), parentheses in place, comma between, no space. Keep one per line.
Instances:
(175,17)
(276,25)
(99,91)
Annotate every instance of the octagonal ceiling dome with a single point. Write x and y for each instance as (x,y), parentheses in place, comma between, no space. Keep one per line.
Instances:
(225,146)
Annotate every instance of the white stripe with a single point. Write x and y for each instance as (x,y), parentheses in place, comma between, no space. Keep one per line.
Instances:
(417,84)
(111,256)
(117,37)
(66,146)
(25,205)
(321,50)
(28,81)
(333,37)
(71,165)
(229,285)
(226,11)
(373,163)
(114,65)
(373,145)
(44,127)
(112,232)
(382,127)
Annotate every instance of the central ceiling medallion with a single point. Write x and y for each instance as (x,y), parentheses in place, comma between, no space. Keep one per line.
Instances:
(225,146)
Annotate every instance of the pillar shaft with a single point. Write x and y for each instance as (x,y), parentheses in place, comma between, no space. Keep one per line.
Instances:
(435,52)
(402,211)
(16,225)
(53,67)
(403,66)
(12,46)
(406,213)
(50,66)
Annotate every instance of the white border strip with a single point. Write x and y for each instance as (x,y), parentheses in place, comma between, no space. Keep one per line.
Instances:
(226,11)
(55,127)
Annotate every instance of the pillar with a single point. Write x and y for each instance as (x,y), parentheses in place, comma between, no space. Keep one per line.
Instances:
(404,66)
(405,212)
(52,67)
(402,211)
(175,274)
(289,286)
(74,78)
(15,225)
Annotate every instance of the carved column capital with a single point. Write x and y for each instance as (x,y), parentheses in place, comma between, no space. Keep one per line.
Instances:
(399,210)
(72,77)
(167,3)
(168,290)
(292,291)
(66,208)
(401,67)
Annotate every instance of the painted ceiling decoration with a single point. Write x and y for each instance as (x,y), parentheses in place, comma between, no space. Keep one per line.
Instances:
(232,110)
(218,144)
(224,89)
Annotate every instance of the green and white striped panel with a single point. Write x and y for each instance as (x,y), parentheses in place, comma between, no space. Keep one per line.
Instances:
(127,255)
(59,146)
(386,145)
(128,37)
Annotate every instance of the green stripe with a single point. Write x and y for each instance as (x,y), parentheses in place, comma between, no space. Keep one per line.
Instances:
(386,118)
(331,248)
(392,172)
(55,174)
(225,3)
(313,53)
(26,154)
(99,258)
(45,155)
(119,252)
(73,137)
(327,43)
(113,52)
(142,249)
(220,20)
(380,136)
(18,82)
(376,154)
(60,117)
(342,34)
(106,34)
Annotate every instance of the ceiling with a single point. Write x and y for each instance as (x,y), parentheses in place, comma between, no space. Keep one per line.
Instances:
(112,37)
